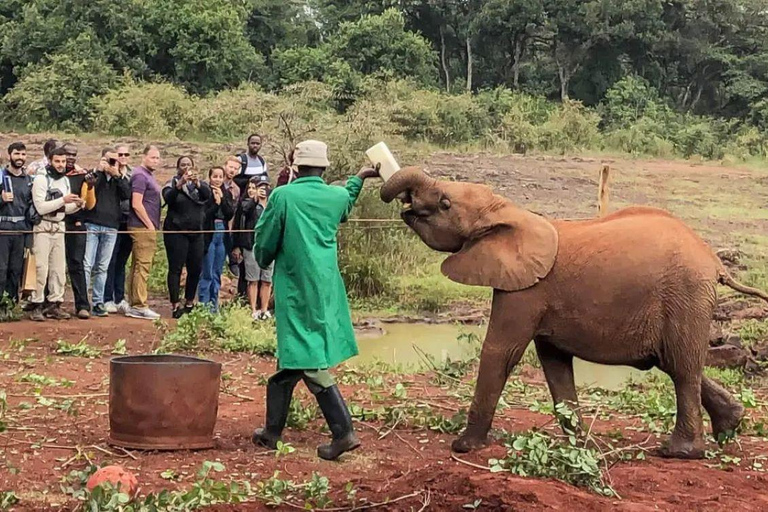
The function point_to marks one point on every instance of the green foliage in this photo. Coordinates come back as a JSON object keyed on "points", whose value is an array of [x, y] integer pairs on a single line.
{"points": [[79, 349], [8, 499], [205, 491], [202, 45], [232, 112], [142, 109], [300, 415], [541, 455], [381, 45], [753, 331], [652, 400], [43, 380], [230, 330], [414, 415], [57, 91]]}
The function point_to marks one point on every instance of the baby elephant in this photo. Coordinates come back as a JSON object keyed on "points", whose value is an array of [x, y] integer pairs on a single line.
{"points": [[637, 288]]}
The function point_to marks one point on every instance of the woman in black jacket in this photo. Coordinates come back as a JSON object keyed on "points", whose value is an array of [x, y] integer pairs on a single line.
{"points": [[218, 211], [186, 197]]}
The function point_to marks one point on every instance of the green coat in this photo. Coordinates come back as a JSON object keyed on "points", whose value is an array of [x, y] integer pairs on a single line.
{"points": [[298, 232]]}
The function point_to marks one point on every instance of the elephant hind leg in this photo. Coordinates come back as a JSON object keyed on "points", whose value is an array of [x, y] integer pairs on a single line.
{"points": [[723, 409], [558, 370]]}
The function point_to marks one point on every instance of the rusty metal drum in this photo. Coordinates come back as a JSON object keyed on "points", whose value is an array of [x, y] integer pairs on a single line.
{"points": [[163, 402]]}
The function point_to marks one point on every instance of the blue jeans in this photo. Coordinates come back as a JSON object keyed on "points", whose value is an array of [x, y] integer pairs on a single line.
{"points": [[210, 281], [114, 291], [99, 245]]}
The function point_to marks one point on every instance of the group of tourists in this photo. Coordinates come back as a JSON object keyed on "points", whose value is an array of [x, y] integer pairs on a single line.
{"points": [[87, 224], [64, 220]]}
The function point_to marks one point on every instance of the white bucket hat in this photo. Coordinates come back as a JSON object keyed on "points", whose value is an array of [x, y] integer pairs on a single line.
{"points": [[311, 153]]}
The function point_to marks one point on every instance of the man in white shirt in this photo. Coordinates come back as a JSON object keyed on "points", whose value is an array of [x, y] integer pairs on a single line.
{"points": [[251, 164], [53, 200]]}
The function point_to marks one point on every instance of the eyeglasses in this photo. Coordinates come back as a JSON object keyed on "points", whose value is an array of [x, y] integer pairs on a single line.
{"points": [[123, 154]]}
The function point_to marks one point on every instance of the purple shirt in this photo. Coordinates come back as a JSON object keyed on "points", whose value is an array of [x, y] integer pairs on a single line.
{"points": [[142, 182]]}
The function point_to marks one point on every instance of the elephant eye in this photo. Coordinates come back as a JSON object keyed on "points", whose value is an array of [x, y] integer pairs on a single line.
{"points": [[445, 203]]}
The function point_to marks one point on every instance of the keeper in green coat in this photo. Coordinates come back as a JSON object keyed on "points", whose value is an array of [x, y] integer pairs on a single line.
{"points": [[314, 326]]}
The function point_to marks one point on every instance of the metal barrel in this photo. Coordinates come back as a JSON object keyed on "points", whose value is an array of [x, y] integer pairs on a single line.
{"points": [[163, 402]]}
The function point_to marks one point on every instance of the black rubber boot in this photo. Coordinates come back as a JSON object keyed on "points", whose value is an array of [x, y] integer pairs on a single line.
{"points": [[279, 395], [340, 423]]}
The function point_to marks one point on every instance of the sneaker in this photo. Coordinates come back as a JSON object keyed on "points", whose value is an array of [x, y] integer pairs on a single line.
{"points": [[55, 312], [142, 313], [101, 310], [110, 307], [123, 307], [83, 314], [266, 315], [256, 315]]}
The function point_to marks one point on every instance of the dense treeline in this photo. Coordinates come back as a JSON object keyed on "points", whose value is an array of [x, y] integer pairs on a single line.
{"points": [[645, 68]]}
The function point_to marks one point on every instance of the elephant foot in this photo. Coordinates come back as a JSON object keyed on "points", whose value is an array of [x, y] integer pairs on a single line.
{"points": [[678, 448], [725, 422], [466, 444]]}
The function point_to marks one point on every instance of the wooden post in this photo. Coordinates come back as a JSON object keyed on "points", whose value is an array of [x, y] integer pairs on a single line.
{"points": [[602, 191]]}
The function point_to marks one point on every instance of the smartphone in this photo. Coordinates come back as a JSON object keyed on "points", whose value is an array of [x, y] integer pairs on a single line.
{"points": [[7, 185]]}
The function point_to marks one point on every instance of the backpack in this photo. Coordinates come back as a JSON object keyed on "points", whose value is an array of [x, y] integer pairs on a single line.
{"points": [[244, 163]]}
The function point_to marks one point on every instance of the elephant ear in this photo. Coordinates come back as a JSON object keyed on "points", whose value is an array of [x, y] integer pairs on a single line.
{"points": [[512, 250]]}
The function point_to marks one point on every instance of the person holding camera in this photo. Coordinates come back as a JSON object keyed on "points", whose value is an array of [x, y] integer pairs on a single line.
{"points": [[53, 200], [186, 196], [111, 186], [15, 198]]}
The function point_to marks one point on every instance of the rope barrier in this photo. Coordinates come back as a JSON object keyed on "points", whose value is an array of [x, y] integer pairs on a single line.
{"points": [[395, 223]]}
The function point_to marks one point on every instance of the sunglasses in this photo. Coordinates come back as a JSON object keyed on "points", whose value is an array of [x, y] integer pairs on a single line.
{"points": [[123, 154]]}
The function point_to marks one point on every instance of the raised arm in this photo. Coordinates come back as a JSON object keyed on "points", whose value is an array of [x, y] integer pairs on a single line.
{"points": [[354, 186]]}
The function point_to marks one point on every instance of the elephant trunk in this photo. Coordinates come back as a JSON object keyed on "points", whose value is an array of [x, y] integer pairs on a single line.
{"points": [[402, 181]]}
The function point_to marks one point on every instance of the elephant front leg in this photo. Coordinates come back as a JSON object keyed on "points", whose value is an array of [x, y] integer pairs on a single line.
{"points": [[499, 356]]}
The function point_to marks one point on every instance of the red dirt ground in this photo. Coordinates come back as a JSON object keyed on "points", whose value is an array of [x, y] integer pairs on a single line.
{"points": [[402, 463]]}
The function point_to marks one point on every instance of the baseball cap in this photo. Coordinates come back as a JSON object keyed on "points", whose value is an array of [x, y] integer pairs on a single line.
{"points": [[311, 153], [260, 180]]}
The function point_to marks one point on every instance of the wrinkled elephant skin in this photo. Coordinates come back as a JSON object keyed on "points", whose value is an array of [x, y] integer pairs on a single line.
{"points": [[636, 287]]}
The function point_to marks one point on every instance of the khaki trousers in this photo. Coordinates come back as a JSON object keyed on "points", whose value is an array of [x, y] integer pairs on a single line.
{"points": [[50, 259], [144, 243]]}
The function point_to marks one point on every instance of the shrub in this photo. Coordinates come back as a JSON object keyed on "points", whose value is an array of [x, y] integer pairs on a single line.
{"points": [[571, 127], [143, 109], [231, 330], [57, 92], [232, 113]]}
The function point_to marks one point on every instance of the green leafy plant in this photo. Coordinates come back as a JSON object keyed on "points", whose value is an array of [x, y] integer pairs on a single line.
{"points": [[230, 330], [79, 349]]}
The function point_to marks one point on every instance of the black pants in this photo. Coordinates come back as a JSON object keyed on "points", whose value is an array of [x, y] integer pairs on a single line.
{"points": [[74, 246], [11, 265], [183, 250], [114, 291]]}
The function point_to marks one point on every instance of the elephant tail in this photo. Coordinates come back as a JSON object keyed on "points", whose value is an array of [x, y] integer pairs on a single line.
{"points": [[726, 279]]}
